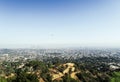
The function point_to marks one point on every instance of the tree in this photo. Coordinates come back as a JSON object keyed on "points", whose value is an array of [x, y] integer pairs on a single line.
{"points": [[3, 79], [21, 76]]}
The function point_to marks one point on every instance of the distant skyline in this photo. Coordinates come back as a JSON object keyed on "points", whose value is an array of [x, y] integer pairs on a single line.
{"points": [[59, 23]]}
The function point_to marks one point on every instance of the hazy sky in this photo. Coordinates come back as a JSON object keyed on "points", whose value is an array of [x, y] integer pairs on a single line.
{"points": [[53, 23]]}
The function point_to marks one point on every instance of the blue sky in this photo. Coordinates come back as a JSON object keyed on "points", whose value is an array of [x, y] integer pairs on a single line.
{"points": [[59, 23]]}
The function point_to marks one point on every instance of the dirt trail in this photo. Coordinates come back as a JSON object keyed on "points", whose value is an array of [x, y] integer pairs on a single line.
{"points": [[70, 68], [41, 80], [55, 76]]}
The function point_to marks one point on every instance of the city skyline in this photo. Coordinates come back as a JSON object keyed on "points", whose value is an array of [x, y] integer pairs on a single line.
{"points": [[59, 23]]}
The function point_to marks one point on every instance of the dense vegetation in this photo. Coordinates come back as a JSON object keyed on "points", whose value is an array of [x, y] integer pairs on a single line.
{"points": [[38, 71], [115, 77]]}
